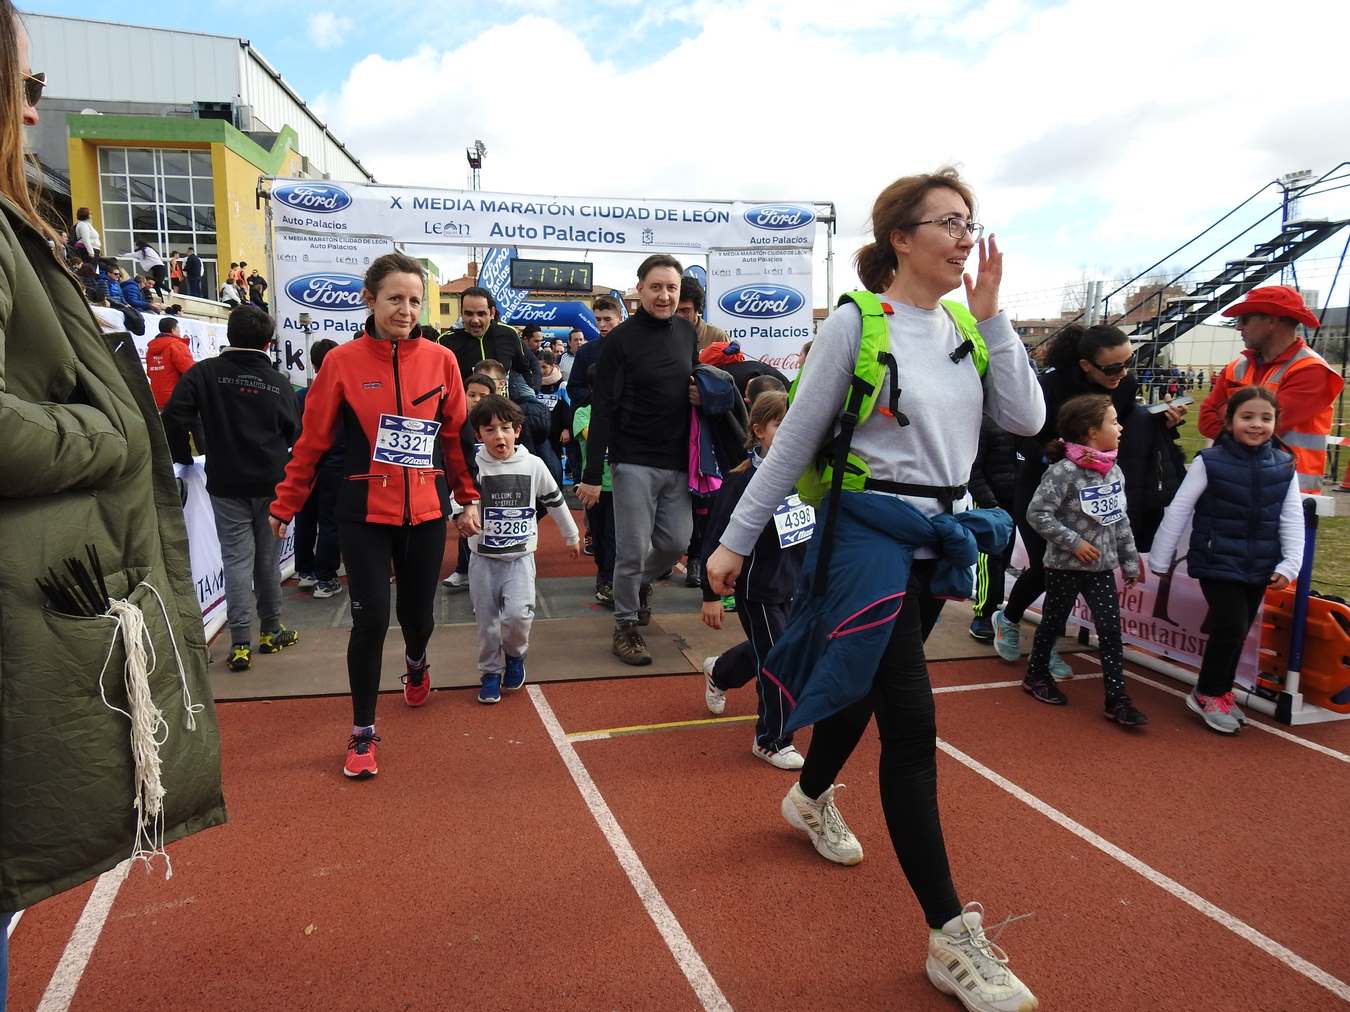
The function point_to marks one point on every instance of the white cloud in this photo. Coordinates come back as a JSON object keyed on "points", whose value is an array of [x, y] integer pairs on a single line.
{"points": [[327, 30], [1096, 137]]}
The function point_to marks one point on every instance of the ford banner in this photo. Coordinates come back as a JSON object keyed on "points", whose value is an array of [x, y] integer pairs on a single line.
{"points": [[762, 298]]}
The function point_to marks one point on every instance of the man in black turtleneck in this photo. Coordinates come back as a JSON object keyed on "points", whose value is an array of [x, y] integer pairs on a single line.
{"points": [[640, 417]]}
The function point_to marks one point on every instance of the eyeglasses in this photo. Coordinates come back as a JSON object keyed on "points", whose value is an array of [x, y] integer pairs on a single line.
{"points": [[955, 225], [32, 87], [1115, 368]]}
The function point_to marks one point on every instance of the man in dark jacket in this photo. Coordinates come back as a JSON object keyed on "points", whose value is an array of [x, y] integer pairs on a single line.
{"points": [[608, 314], [993, 483], [195, 272], [249, 413], [640, 418], [483, 336]]}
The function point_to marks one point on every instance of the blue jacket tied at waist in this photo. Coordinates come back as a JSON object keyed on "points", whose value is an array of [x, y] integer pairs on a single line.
{"points": [[828, 656]]}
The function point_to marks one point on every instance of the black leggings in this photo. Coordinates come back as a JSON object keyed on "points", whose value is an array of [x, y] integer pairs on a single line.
{"points": [[416, 553], [1099, 591], [1031, 583], [1232, 609], [902, 700]]}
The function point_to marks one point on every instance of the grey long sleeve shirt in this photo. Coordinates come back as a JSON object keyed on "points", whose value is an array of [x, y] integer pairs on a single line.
{"points": [[944, 401]]}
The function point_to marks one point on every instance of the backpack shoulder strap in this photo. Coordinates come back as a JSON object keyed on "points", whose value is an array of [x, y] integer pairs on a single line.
{"points": [[969, 329]]}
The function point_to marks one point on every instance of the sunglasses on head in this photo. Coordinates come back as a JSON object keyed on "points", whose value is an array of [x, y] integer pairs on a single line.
{"points": [[1115, 368], [32, 87]]}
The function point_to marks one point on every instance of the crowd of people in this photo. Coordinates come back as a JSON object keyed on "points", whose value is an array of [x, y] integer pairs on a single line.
{"points": [[884, 481]]}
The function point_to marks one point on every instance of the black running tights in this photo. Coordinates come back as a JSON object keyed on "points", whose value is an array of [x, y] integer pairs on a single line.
{"points": [[416, 554], [902, 700]]}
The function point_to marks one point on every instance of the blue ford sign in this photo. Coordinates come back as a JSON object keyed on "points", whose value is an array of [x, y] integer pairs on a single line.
{"points": [[336, 293], [762, 302], [779, 217], [317, 198]]}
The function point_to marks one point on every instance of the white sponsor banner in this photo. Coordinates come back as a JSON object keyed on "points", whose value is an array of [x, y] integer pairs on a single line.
{"points": [[1165, 615], [762, 298], [319, 274], [208, 572], [609, 224], [205, 339]]}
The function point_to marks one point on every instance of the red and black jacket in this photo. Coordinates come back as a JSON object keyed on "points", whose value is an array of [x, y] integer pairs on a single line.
{"points": [[360, 381]]}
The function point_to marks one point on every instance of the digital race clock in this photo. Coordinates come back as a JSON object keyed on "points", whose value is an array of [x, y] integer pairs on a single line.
{"points": [[551, 275]]}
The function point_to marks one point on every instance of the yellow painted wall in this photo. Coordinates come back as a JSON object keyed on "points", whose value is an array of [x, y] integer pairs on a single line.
{"points": [[84, 181], [431, 303]]}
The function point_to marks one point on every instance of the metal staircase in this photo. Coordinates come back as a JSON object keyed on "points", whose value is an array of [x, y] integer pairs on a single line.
{"points": [[1237, 278]]}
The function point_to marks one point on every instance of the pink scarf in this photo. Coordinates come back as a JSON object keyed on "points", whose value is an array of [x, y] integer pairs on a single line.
{"points": [[1089, 457]]}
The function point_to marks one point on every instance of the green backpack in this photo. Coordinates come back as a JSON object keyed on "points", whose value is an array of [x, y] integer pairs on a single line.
{"points": [[836, 467]]}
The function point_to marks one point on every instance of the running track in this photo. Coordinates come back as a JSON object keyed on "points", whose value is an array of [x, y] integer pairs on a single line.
{"points": [[496, 864]]}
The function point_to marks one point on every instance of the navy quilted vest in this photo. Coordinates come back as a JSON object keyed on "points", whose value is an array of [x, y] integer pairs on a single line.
{"points": [[1236, 530]]}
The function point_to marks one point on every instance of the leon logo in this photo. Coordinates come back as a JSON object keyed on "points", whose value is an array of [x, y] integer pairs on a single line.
{"points": [[762, 302], [779, 217], [318, 198], [338, 293]]}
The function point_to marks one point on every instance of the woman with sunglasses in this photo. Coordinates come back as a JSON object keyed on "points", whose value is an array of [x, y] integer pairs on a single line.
{"points": [[1091, 360], [87, 477]]}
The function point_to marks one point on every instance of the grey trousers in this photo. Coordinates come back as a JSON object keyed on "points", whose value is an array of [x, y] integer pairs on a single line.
{"points": [[250, 552], [502, 594], [653, 518]]}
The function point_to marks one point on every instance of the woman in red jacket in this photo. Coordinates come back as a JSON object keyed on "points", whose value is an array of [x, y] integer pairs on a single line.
{"points": [[399, 403]]}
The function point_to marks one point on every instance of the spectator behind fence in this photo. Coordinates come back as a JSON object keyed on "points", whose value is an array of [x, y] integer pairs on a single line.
{"points": [[167, 358], [85, 467]]}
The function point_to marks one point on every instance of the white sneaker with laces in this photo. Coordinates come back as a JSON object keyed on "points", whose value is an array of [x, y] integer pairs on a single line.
{"points": [[456, 581], [821, 821], [785, 758], [715, 698], [306, 581], [963, 962]]}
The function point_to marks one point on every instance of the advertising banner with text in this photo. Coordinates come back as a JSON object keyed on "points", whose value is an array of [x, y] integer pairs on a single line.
{"points": [[762, 298], [609, 224], [1165, 615], [318, 273]]}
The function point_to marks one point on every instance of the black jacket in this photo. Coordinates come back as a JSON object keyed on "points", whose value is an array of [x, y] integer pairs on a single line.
{"points": [[500, 343], [578, 385], [993, 476], [192, 267], [640, 405], [770, 573], [248, 410], [743, 372]]}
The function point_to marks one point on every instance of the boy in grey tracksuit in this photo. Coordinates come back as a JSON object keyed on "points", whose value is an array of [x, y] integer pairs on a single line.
{"points": [[1080, 512], [511, 480]]}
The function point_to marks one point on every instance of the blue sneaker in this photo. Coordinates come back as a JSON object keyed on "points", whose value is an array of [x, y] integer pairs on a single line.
{"points": [[1059, 667], [514, 677], [982, 629], [491, 689], [1007, 638]]}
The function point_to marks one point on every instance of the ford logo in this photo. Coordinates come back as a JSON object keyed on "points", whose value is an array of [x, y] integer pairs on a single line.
{"points": [[319, 198], [336, 293], [779, 217], [413, 425], [762, 302]]}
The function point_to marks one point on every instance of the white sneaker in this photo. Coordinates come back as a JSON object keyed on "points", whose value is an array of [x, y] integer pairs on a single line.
{"points": [[964, 963], [785, 758], [1215, 711], [306, 581], [456, 581], [821, 821], [715, 698]]}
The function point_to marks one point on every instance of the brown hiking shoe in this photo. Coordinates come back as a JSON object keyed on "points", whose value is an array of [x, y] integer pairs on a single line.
{"points": [[644, 604], [629, 646]]}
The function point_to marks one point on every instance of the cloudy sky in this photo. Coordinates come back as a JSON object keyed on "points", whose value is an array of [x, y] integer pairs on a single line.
{"points": [[1098, 136]]}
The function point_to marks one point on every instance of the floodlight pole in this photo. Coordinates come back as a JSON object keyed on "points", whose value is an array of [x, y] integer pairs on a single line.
{"points": [[475, 158]]}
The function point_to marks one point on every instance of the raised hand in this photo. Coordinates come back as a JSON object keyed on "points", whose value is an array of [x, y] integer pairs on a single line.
{"points": [[982, 291]]}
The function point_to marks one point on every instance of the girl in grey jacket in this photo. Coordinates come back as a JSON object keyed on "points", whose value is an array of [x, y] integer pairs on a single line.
{"points": [[1079, 508]]}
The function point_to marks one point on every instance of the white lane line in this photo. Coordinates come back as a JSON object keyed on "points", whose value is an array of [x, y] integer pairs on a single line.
{"points": [[1217, 914], [1077, 676], [66, 977], [13, 923], [1251, 721], [686, 957]]}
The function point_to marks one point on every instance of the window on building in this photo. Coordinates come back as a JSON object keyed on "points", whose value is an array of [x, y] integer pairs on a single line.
{"points": [[164, 196]]}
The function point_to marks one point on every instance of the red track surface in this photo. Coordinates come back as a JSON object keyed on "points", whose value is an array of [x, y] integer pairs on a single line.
{"points": [[470, 873]]}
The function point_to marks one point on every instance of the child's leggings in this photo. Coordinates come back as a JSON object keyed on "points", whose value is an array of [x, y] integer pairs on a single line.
{"points": [[1062, 587], [1232, 609]]}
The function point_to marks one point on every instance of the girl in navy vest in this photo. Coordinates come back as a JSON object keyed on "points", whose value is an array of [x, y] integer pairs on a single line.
{"points": [[764, 591], [1242, 501]]}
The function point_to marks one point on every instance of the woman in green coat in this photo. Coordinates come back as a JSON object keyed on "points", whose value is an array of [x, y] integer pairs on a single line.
{"points": [[83, 461]]}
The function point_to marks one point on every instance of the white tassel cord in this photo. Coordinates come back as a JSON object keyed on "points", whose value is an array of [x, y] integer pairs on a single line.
{"points": [[149, 729]]}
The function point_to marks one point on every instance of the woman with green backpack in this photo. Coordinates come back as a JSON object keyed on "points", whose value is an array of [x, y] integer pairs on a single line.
{"points": [[892, 401]]}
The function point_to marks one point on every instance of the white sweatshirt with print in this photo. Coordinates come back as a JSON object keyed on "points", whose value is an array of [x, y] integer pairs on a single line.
{"points": [[508, 491]]}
